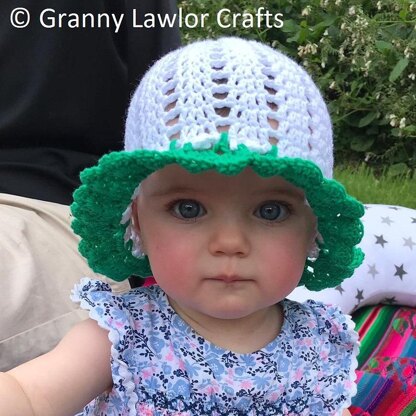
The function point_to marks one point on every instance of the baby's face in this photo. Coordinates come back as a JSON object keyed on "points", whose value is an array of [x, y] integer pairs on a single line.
{"points": [[224, 246]]}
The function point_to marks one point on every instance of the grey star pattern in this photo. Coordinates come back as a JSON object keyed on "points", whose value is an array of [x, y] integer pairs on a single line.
{"points": [[372, 270], [359, 296], [390, 301], [386, 220], [409, 243], [340, 289], [380, 240], [400, 271], [386, 274]]}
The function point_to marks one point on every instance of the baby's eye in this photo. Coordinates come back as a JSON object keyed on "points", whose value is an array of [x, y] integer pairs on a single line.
{"points": [[272, 211], [187, 209]]}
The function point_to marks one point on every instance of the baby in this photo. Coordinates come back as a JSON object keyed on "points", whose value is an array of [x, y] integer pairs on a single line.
{"points": [[223, 195]]}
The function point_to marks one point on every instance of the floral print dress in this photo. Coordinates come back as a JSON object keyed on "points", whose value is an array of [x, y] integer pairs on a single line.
{"points": [[162, 367]]}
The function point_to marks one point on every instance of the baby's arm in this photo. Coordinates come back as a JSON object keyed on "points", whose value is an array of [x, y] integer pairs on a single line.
{"points": [[62, 381]]}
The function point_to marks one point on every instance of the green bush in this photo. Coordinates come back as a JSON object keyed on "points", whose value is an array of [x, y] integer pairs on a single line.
{"points": [[362, 56]]}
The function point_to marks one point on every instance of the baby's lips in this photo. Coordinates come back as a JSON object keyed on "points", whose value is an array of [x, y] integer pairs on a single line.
{"points": [[229, 278]]}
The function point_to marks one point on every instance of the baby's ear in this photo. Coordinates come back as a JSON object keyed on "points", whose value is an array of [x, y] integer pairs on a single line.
{"points": [[135, 216], [314, 233], [135, 231]]}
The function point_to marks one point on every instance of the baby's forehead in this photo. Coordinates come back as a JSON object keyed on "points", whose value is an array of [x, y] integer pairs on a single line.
{"points": [[176, 179]]}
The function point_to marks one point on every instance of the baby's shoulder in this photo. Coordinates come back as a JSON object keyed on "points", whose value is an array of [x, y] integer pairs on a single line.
{"points": [[316, 317], [323, 345], [321, 327], [121, 312], [97, 291]]}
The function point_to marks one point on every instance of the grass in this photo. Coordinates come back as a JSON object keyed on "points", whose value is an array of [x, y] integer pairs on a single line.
{"points": [[363, 184]]}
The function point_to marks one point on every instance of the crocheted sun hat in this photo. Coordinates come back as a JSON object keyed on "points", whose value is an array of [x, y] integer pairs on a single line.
{"points": [[223, 104]]}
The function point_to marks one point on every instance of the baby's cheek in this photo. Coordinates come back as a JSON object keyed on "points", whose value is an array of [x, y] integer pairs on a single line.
{"points": [[286, 259], [171, 259]]}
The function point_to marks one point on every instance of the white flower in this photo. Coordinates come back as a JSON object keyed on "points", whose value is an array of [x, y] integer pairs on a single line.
{"points": [[393, 120], [301, 50], [310, 48], [412, 76], [402, 124], [379, 5], [360, 21], [306, 11], [323, 64], [407, 52], [333, 85], [351, 11]]}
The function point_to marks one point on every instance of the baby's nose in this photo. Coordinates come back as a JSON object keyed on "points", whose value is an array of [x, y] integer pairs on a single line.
{"points": [[229, 238]]}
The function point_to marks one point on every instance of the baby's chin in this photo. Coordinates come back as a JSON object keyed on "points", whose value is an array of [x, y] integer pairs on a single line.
{"points": [[236, 311]]}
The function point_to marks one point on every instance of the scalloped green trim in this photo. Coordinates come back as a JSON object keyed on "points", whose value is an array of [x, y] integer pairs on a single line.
{"points": [[107, 189]]}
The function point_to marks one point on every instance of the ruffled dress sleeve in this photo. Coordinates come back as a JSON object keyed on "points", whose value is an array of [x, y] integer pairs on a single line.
{"points": [[111, 313], [338, 349]]}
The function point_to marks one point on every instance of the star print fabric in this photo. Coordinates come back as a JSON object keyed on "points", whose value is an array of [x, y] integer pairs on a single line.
{"points": [[161, 367], [388, 273]]}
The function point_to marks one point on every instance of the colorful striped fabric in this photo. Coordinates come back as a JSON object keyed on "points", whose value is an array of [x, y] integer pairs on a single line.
{"points": [[386, 373]]}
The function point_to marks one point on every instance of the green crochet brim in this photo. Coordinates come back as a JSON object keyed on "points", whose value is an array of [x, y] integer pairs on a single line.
{"points": [[107, 189]]}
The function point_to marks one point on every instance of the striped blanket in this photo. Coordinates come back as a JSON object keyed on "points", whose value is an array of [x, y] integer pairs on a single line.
{"points": [[386, 373]]}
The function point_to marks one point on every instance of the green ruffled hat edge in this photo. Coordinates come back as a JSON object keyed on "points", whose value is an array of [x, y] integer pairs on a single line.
{"points": [[106, 190]]}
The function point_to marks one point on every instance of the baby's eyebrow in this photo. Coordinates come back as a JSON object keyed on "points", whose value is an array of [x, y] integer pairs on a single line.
{"points": [[172, 190], [294, 193]]}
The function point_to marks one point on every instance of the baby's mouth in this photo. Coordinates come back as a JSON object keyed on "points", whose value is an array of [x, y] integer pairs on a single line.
{"points": [[229, 278]]}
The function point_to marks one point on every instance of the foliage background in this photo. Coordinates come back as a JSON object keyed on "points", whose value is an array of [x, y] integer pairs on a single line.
{"points": [[362, 56]]}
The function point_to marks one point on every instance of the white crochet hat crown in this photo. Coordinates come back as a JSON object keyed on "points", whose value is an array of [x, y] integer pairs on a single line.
{"points": [[259, 94], [222, 105]]}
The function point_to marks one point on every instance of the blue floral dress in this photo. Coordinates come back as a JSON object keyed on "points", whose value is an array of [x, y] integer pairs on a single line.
{"points": [[162, 367]]}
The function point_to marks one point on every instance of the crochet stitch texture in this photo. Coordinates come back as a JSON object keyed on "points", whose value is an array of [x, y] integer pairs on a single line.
{"points": [[259, 94]]}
